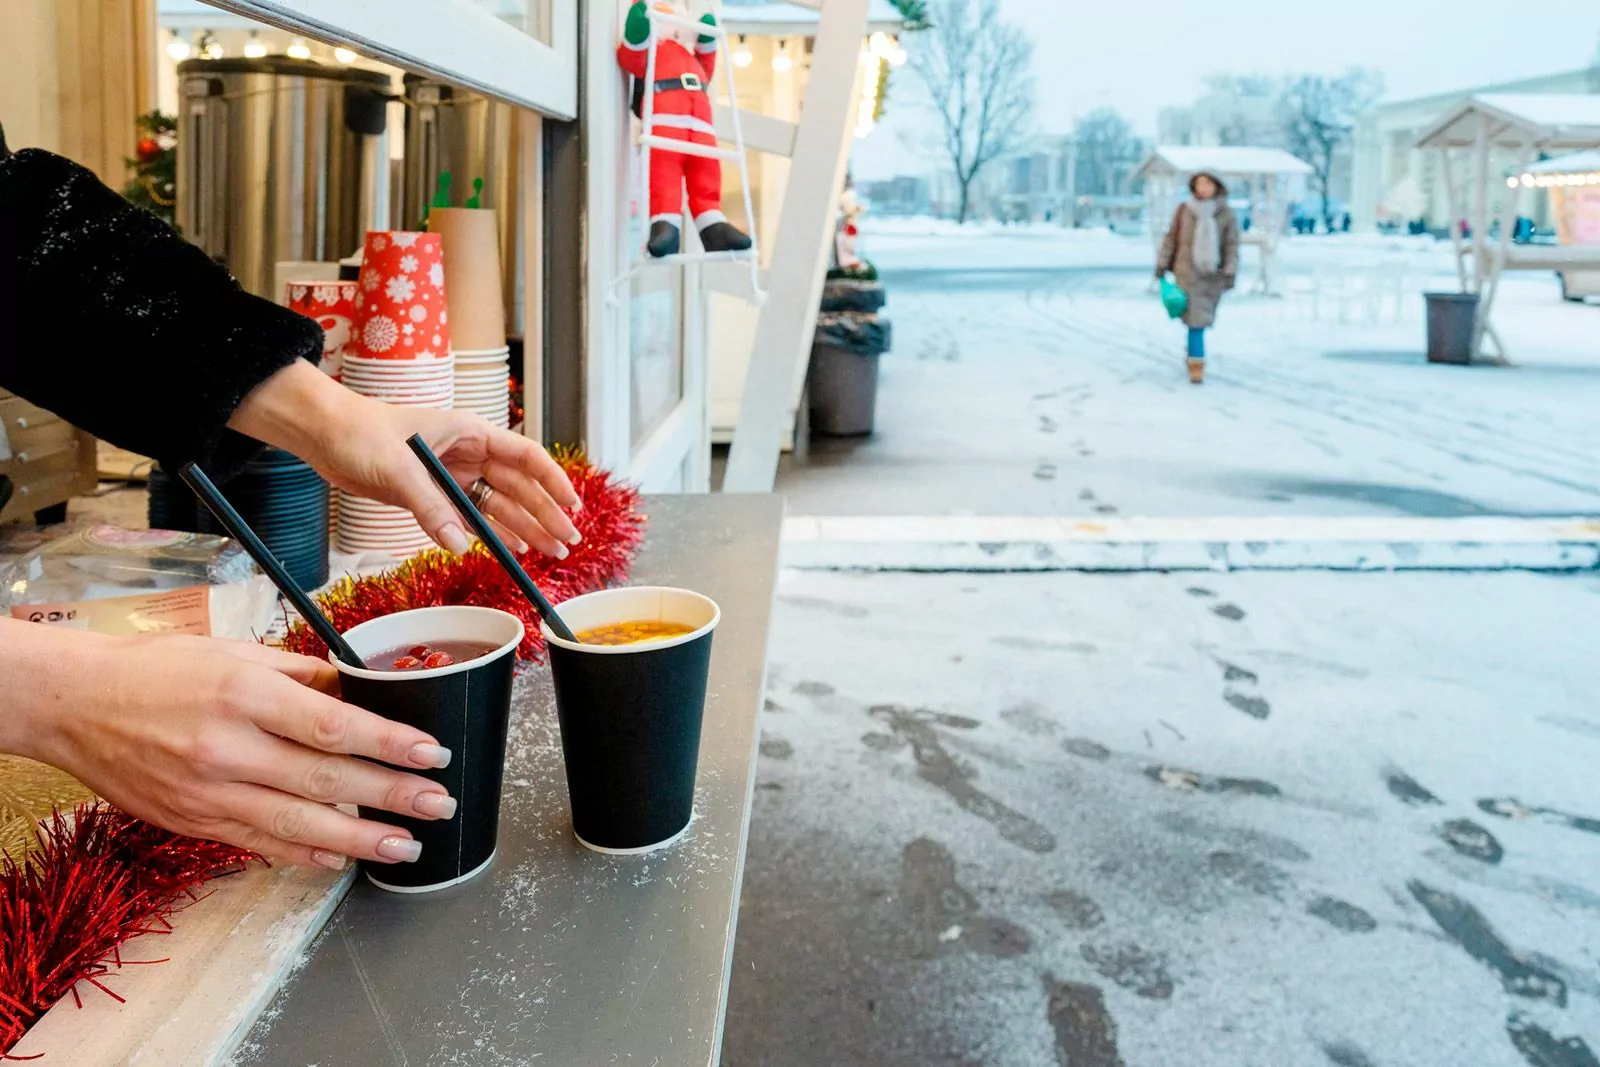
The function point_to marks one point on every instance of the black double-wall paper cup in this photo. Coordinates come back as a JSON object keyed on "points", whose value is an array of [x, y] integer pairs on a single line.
{"points": [[467, 708], [630, 717]]}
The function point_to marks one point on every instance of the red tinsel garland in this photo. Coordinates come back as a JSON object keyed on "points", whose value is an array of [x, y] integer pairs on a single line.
{"points": [[610, 522], [101, 877], [98, 879]]}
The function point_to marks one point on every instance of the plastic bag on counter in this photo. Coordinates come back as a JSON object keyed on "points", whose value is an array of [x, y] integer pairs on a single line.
{"points": [[114, 581]]}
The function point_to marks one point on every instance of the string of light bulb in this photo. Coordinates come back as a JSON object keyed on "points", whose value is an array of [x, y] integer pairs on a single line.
{"points": [[1551, 181], [206, 46]]}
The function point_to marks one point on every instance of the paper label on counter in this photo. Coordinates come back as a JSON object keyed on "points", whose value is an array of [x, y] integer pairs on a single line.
{"points": [[172, 611]]}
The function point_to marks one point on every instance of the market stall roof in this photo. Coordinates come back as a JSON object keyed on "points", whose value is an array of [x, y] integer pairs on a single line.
{"points": [[1576, 163], [765, 19], [1222, 160], [1515, 120]]}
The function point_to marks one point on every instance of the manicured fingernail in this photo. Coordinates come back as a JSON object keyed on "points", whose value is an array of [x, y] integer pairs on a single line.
{"points": [[575, 538], [424, 754], [400, 849], [435, 805], [331, 860], [561, 552], [577, 505], [455, 539]]}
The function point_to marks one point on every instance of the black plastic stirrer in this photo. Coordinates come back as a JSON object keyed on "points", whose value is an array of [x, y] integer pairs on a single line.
{"points": [[491, 540], [241, 532]]}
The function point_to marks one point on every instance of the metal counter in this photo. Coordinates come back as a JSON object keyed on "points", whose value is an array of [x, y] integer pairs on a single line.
{"points": [[558, 956]]}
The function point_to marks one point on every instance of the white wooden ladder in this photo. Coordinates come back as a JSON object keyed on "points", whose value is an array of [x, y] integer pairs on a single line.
{"points": [[819, 146]]}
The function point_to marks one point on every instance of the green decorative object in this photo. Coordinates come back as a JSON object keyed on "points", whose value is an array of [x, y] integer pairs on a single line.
{"points": [[155, 166], [441, 198], [1173, 298], [475, 200]]}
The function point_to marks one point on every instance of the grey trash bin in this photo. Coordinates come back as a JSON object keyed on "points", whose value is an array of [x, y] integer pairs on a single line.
{"points": [[842, 381], [1452, 318]]}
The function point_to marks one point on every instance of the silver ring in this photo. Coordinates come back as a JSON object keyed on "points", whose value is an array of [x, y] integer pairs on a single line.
{"points": [[480, 493]]}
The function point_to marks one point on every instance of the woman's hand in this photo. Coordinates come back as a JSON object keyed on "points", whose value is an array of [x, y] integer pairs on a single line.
{"points": [[359, 445], [224, 740]]}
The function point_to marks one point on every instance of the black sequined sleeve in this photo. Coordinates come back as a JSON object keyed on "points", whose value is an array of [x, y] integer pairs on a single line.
{"points": [[114, 322]]}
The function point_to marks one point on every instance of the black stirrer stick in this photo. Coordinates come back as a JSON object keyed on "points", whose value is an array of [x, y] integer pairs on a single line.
{"points": [[241, 532], [491, 540]]}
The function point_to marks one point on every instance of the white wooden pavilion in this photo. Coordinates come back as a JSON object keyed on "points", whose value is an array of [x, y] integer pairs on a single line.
{"points": [[1265, 172], [1485, 131]]}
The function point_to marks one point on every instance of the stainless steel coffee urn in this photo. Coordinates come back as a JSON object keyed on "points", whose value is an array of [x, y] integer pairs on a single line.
{"points": [[280, 159], [451, 130]]}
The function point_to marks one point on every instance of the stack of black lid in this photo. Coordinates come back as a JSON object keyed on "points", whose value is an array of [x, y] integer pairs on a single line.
{"points": [[280, 496]]}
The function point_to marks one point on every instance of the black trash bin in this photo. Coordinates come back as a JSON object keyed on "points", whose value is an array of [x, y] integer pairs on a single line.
{"points": [[1452, 320], [842, 381]]}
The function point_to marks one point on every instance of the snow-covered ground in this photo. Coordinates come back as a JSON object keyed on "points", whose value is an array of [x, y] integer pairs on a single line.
{"points": [[1139, 820], [1034, 373]]}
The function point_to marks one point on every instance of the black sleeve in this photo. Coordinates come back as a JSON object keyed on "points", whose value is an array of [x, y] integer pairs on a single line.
{"points": [[118, 325]]}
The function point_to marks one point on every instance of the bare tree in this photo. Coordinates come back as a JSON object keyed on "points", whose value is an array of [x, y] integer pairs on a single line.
{"points": [[1319, 116], [976, 68], [1242, 108], [1108, 151]]}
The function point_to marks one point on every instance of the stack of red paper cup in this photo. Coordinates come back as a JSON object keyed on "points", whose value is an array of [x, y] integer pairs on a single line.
{"points": [[332, 304], [399, 353]]}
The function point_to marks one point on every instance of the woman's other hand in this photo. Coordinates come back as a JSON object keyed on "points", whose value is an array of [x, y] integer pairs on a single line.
{"points": [[224, 740], [359, 445]]}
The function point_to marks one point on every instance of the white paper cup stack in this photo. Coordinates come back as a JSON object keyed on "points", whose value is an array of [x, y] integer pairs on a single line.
{"points": [[405, 382], [482, 384], [367, 526]]}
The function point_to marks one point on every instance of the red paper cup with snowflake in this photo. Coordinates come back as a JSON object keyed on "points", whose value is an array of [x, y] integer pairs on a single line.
{"points": [[399, 302], [333, 305]]}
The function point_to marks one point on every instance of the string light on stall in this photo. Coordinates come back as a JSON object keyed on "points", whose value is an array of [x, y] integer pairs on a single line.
{"points": [[210, 47], [254, 48], [782, 62], [345, 55], [875, 64], [298, 49], [742, 56], [178, 48], [1554, 181]]}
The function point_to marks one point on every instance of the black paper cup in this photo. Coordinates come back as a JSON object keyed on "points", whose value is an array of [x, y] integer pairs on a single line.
{"points": [[630, 717], [467, 707]]}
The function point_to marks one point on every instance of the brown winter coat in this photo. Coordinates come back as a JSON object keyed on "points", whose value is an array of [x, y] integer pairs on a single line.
{"points": [[1177, 255]]}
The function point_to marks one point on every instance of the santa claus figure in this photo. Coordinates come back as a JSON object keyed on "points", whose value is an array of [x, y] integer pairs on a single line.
{"points": [[680, 111]]}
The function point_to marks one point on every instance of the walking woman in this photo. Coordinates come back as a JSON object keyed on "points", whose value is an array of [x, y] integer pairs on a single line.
{"points": [[1202, 248]]}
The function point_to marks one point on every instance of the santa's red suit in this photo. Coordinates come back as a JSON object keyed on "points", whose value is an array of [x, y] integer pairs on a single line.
{"points": [[681, 111]]}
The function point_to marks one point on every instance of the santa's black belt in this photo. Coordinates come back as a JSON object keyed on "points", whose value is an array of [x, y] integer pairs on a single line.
{"points": [[688, 81]]}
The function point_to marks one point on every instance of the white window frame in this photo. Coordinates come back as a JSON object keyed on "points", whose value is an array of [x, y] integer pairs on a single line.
{"points": [[446, 39]]}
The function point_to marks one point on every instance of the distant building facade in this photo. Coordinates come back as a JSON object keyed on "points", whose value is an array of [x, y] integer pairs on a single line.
{"points": [[1395, 183], [905, 194]]}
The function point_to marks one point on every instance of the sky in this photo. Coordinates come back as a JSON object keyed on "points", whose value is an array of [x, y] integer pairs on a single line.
{"points": [[1142, 55]]}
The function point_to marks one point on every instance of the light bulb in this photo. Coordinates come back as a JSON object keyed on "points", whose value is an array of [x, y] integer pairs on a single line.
{"points": [[1511, 183], [879, 43], [742, 57], [345, 55], [178, 49], [209, 46], [298, 49], [781, 60], [253, 48], [897, 56]]}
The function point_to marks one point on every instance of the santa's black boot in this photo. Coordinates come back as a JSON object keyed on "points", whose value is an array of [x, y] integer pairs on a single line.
{"points": [[723, 237], [663, 239]]}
